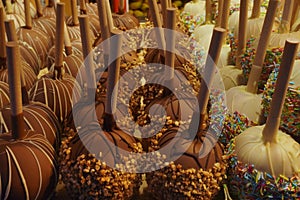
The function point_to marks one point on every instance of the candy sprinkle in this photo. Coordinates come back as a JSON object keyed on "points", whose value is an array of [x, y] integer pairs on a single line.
{"points": [[290, 118], [246, 182]]}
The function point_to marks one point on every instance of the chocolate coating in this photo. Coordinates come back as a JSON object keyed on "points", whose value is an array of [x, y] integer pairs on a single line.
{"points": [[160, 95], [82, 112], [192, 175], [18, 19], [74, 32], [93, 22], [93, 136], [28, 167], [37, 39], [76, 51], [94, 25], [29, 75], [18, 8], [38, 117], [49, 10], [192, 158], [173, 107], [57, 94], [125, 21], [154, 56], [4, 94], [88, 175], [47, 25], [280, 157], [73, 65], [30, 56]]}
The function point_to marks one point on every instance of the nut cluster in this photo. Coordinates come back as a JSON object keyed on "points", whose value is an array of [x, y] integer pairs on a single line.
{"points": [[88, 177], [173, 182]]}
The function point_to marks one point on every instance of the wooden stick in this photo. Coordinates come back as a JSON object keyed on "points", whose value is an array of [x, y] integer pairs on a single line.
{"points": [[50, 3], [113, 4], [209, 71], [14, 63], [109, 16], [262, 47], [12, 37], [285, 23], [295, 12], [87, 54], [170, 40], [113, 76], [272, 126], [242, 39], [28, 20], [208, 10], [153, 8], [82, 7], [39, 8], [210, 67], [85, 35], [68, 7], [105, 34], [10, 30], [256, 9], [4, 13], [170, 4], [121, 9], [220, 10], [74, 12], [2, 36], [9, 9], [59, 41], [67, 40], [164, 6], [114, 69], [280, 9], [225, 14], [54, 4], [103, 19]]}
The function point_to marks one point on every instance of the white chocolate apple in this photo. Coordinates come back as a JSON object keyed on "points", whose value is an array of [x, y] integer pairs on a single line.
{"points": [[280, 157]]}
